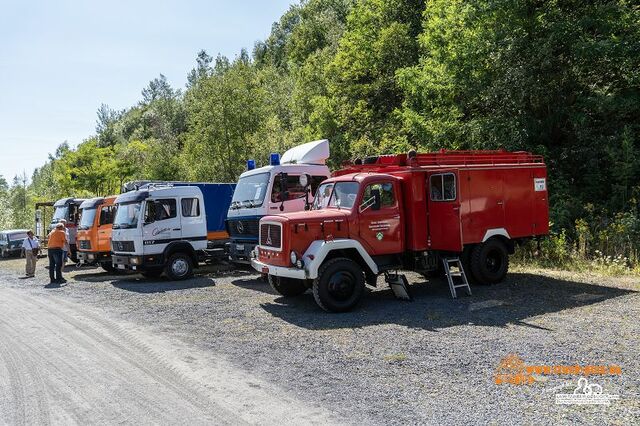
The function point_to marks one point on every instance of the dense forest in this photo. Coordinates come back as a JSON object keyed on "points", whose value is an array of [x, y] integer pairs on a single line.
{"points": [[558, 78]]}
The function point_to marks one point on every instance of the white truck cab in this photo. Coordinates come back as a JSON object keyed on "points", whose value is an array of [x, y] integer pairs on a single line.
{"points": [[160, 229], [272, 189]]}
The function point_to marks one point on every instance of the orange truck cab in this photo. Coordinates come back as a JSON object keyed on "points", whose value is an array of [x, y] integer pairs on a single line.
{"points": [[94, 232]]}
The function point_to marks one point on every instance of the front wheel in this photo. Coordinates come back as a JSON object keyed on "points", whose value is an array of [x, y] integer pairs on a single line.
{"points": [[287, 286], [489, 262], [179, 267], [339, 286]]}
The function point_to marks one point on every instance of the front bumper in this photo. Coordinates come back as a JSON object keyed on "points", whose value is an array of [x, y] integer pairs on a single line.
{"points": [[278, 271], [13, 251], [90, 257], [136, 262], [240, 251]]}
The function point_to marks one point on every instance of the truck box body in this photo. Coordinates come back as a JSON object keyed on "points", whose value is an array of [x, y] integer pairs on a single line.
{"points": [[216, 197], [496, 192]]}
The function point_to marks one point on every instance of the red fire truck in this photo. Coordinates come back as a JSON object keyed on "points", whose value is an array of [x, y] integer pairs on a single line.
{"points": [[406, 212]]}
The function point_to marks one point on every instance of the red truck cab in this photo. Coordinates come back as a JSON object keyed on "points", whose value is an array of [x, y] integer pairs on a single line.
{"points": [[406, 212]]}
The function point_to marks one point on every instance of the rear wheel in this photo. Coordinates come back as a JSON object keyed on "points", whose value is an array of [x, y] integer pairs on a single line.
{"points": [[339, 286], [287, 286], [179, 267], [490, 261]]}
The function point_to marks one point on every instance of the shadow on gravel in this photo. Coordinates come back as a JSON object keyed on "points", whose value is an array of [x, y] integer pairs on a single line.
{"points": [[159, 286], [254, 283], [520, 297]]}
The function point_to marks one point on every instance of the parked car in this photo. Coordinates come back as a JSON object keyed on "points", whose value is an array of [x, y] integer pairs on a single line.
{"points": [[11, 242]]}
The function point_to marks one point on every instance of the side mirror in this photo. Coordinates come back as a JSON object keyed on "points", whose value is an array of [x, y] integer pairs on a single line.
{"points": [[376, 199], [283, 182], [305, 180]]}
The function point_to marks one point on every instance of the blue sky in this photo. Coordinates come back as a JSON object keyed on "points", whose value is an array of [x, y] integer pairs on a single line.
{"points": [[60, 60]]}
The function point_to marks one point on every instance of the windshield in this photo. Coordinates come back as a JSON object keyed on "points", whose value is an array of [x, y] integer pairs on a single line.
{"points": [[250, 191], [60, 213], [88, 215], [17, 236], [127, 215], [341, 195]]}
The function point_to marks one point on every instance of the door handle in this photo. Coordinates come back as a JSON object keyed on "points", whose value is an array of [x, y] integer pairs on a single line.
{"points": [[177, 229], [500, 203], [456, 208]]}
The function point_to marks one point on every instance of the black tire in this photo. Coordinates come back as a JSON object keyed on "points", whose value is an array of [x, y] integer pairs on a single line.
{"points": [[108, 267], [152, 273], [73, 255], [465, 258], [339, 286], [287, 286], [179, 267], [490, 262]]}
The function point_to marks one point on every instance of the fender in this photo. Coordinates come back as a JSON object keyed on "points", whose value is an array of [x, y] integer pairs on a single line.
{"points": [[496, 231], [180, 246], [318, 251]]}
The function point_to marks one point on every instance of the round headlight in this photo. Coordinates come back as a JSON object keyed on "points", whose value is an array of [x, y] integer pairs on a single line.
{"points": [[293, 257]]}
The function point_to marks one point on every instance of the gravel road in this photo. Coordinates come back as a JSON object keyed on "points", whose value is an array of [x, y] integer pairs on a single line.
{"points": [[224, 347]]}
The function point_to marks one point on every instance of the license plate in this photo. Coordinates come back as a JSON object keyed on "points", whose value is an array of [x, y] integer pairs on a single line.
{"points": [[120, 266], [240, 247]]}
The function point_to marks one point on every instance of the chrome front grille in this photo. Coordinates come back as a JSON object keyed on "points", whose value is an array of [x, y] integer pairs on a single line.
{"points": [[271, 235], [122, 246]]}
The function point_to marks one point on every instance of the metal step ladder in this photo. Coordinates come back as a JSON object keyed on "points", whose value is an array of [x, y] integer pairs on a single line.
{"points": [[448, 263]]}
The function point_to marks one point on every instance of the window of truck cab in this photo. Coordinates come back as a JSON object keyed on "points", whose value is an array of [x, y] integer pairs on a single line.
{"points": [[160, 209], [107, 214], [442, 187], [127, 215], [250, 191], [294, 188], [87, 216], [339, 195], [387, 195]]}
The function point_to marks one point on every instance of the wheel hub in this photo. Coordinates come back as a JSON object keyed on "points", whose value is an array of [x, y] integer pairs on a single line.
{"points": [[493, 262], [179, 267], [342, 285]]}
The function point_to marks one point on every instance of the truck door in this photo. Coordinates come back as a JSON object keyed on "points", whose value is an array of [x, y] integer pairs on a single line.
{"points": [[161, 224], [105, 222], [445, 229], [193, 221], [380, 224]]}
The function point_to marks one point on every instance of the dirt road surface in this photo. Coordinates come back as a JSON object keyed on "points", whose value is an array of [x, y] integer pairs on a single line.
{"points": [[63, 363], [224, 348]]}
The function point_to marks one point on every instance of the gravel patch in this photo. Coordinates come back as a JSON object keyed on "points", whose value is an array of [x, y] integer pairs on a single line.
{"points": [[432, 360]]}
